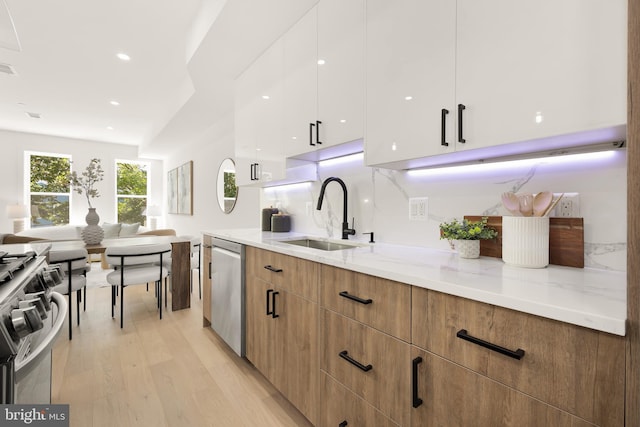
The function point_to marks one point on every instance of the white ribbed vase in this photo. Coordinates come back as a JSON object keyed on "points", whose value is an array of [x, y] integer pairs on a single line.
{"points": [[525, 241], [467, 248], [92, 234]]}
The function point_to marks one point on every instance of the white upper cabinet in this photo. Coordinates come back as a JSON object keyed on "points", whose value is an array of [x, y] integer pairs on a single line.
{"points": [[341, 79], [259, 100], [506, 72], [324, 78], [410, 71], [300, 85], [531, 70]]}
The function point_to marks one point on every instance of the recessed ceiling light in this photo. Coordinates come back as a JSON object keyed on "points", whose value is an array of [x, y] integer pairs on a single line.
{"points": [[116, 103], [109, 127], [265, 96], [123, 56], [408, 98], [321, 62]]}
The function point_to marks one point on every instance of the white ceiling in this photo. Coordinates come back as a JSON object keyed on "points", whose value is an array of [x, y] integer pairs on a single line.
{"points": [[178, 82]]}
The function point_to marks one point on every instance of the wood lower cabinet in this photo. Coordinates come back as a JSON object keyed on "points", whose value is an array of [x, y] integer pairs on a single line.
{"points": [[379, 303], [453, 396], [340, 406], [372, 364], [576, 369], [282, 327], [206, 279]]}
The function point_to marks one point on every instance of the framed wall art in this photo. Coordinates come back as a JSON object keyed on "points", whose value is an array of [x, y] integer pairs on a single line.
{"points": [[180, 189]]}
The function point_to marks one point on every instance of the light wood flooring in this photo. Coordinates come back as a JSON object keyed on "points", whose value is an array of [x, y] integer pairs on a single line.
{"points": [[170, 372]]}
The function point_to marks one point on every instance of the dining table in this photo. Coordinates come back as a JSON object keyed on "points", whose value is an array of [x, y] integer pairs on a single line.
{"points": [[180, 260]]}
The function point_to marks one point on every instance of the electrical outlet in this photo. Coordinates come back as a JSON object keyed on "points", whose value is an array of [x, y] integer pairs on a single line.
{"points": [[568, 206], [418, 208]]}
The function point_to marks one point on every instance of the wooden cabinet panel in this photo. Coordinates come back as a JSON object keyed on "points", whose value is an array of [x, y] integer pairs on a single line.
{"points": [[297, 360], [340, 405], [576, 369], [389, 311], [454, 396], [295, 275], [386, 385], [260, 330]]}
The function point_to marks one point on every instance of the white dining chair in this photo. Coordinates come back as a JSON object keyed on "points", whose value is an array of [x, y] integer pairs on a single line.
{"points": [[73, 263], [136, 265]]}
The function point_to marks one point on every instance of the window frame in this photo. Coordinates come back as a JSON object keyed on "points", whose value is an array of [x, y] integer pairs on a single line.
{"points": [[27, 183], [147, 165]]}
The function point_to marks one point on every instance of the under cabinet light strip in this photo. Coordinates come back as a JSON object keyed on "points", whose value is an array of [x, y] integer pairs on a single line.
{"points": [[342, 159], [285, 187], [514, 164]]}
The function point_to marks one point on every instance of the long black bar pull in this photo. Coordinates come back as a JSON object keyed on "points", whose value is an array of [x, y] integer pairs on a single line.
{"points": [[443, 131], [461, 108], [273, 305], [311, 126], [269, 311], [414, 384], [518, 354], [318, 123], [346, 294], [271, 268], [345, 355], [343, 424]]}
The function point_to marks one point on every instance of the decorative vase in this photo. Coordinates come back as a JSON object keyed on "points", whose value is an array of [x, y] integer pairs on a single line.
{"points": [[468, 248], [92, 234], [525, 241]]}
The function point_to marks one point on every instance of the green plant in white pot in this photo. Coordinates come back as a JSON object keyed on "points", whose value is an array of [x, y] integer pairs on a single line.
{"points": [[464, 236]]}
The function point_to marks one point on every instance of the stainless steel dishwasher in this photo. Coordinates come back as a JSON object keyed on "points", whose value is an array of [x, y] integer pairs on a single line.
{"points": [[228, 292]]}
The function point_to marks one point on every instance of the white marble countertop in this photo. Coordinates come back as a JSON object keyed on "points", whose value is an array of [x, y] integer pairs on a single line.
{"points": [[586, 297]]}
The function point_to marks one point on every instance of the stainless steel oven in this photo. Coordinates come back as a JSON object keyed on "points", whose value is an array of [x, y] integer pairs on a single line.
{"points": [[31, 317]]}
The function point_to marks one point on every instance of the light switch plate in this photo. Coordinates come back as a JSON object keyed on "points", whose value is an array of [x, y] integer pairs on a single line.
{"points": [[418, 208]]}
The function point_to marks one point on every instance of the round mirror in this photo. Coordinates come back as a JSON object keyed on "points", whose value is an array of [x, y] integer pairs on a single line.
{"points": [[226, 187]]}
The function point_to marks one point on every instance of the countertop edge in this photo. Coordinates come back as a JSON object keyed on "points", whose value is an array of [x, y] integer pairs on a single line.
{"points": [[601, 322]]}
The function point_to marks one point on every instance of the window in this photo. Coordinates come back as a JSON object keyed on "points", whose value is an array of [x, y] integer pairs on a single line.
{"points": [[49, 189], [131, 191]]}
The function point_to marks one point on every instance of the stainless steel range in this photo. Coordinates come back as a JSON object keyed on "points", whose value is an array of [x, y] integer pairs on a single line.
{"points": [[31, 317]]}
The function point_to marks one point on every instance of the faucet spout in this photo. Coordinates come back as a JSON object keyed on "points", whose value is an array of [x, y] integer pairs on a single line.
{"points": [[346, 231]]}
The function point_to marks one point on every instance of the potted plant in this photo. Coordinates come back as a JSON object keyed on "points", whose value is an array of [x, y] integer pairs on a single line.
{"points": [[465, 235], [84, 184]]}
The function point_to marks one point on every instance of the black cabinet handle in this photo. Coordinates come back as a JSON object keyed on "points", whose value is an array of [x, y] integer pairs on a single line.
{"points": [[443, 131], [273, 305], [414, 385], [518, 354], [461, 108], [254, 172], [271, 268], [269, 312], [345, 294], [209, 270], [311, 125], [345, 355], [318, 123], [343, 424]]}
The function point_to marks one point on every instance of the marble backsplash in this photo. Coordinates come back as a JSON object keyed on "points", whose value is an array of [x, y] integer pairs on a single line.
{"points": [[378, 200]]}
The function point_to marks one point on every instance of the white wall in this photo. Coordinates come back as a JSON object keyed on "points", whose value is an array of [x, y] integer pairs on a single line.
{"points": [[379, 201], [207, 153], [12, 173]]}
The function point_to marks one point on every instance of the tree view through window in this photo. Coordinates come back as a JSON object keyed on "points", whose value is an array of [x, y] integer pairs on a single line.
{"points": [[132, 192], [49, 189]]}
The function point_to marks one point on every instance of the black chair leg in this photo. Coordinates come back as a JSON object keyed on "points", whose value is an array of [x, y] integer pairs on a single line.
{"points": [[199, 283], [121, 306], [84, 301], [78, 298], [70, 316], [113, 299], [165, 292]]}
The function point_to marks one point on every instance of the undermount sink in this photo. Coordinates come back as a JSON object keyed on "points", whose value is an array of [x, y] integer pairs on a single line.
{"points": [[323, 245]]}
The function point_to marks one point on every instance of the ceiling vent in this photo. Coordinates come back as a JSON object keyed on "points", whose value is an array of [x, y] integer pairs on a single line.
{"points": [[7, 69], [32, 115]]}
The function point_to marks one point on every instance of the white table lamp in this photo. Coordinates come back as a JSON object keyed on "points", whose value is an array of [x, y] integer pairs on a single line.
{"points": [[152, 212], [17, 213]]}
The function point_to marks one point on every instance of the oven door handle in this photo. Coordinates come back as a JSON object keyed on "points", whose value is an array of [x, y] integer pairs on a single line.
{"points": [[49, 339]]}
